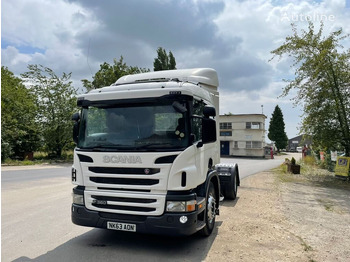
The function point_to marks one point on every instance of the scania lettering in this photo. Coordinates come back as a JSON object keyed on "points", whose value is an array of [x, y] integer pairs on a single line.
{"points": [[122, 159], [147, 155]]}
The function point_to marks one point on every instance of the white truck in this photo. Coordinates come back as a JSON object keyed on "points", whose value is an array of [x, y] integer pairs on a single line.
{"points": [[147, 154]]}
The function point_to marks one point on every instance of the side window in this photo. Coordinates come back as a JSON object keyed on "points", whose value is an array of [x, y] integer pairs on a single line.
{"points": [[198, 107]]}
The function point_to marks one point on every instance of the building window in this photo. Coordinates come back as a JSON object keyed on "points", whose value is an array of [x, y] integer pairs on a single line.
{"points": [[235, 144], [226, 125], [225, 133], [253, 144], [256, 144], [253, 125]]}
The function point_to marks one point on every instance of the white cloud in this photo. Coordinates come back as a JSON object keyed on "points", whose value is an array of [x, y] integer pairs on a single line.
{"points": [[234, 37], [44, 24], [12, 57]]}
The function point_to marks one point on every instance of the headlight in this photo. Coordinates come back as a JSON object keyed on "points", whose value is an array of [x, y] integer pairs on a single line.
{"points": [[78, 199], [181, 206]]}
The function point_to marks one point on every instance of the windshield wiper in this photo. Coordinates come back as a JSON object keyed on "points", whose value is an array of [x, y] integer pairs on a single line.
{"points": [[151, 145], [107, 147]]}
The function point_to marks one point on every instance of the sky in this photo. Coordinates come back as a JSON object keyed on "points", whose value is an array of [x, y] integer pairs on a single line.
{"points": [[234, 37]]}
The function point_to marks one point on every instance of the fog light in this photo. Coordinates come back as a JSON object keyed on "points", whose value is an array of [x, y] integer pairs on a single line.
{"points": [[78, 199], [183, 219]]}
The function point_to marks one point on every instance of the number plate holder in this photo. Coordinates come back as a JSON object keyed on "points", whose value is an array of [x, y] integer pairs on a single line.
{"points": [[121, 226]]}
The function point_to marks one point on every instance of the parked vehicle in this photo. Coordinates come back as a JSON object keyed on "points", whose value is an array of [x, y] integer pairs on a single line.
{"points": [[147, 154]]}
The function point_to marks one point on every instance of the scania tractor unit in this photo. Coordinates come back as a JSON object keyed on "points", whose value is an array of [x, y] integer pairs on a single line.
{"points": [[147, 154]]}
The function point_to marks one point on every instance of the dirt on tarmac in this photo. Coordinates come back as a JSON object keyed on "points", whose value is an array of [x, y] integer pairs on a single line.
{"points": [[285, 217]]}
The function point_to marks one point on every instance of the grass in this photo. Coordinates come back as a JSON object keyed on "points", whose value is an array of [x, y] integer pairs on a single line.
{"points": [[41, 158], [311, 173]]}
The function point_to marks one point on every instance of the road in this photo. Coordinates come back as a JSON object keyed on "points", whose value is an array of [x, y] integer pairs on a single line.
{"points": [[36, 224]]}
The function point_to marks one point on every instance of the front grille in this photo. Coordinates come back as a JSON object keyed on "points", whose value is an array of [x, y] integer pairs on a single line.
{"points": [[124, 189], [124, 171], [124, 199], [125, 203], [126, 208], [124, 181]]}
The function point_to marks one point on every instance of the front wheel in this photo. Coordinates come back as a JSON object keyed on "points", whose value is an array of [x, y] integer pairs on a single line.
{"points": [[210, 211]]}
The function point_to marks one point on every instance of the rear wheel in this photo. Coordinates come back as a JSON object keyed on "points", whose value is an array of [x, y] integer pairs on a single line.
{"points": [[210, 210], [231, 188]]}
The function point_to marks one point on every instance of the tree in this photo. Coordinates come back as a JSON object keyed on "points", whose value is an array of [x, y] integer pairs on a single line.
{"points": [[56, 102], [276, 129], [109, 74], [19, 132], [322, 78], [164, 61]]}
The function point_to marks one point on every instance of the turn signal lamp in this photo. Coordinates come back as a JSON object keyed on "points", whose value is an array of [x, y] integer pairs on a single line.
{"points": [[78, 199]]}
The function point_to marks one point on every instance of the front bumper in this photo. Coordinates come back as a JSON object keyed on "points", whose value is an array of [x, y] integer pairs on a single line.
{"points": [[166, 224]]}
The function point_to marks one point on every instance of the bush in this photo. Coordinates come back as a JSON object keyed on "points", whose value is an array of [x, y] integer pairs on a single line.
{"points": [[293, 162], [327, 163], [309, 160]]}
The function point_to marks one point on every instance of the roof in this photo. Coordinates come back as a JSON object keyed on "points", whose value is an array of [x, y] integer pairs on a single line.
{"points": [[233, 115], [206, 76]]}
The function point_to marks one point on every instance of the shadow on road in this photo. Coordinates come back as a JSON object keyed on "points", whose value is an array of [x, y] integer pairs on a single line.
{"points": [[106, 245]]}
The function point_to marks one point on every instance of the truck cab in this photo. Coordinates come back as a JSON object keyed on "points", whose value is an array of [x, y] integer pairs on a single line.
{"points": [[146, 154]]}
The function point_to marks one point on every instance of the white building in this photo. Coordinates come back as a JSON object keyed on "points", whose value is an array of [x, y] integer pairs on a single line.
{"points": [[242, 135]]}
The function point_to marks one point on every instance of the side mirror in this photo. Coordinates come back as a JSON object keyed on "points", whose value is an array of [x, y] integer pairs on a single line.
{"points": [[209, 111], [208, 130], [76, 118]]}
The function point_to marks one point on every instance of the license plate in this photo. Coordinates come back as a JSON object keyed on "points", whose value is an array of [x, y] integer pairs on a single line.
{"points": [[121, 226]]}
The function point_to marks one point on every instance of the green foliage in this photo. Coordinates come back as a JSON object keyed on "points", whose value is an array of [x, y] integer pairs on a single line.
{"points": [[56, 102], [276, 129], [19, 129], [41, 158], [164, 61], [330, 165], [322, 78], [309, 160], [109, 74], [293, 162]]}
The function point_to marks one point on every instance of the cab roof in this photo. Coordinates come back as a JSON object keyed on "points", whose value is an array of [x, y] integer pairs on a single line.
{"points": [[206, 76]]}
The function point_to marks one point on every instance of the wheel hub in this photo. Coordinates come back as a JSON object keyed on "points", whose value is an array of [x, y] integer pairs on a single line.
{"points": [[211, 208]]}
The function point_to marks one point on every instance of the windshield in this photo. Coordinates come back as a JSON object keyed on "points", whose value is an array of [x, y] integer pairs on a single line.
{"points": [[133, 127]]}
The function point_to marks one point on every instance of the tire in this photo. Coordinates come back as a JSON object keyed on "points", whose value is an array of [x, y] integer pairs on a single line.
{"points": [[210, 210], [231, 188]]}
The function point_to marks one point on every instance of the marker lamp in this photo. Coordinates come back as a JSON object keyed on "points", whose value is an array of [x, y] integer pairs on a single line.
{"points": [[181, 206], [78, 199]]}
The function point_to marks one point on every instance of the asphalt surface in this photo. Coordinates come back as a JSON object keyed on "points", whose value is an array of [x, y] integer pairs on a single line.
{"points": [[36, 223]]}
